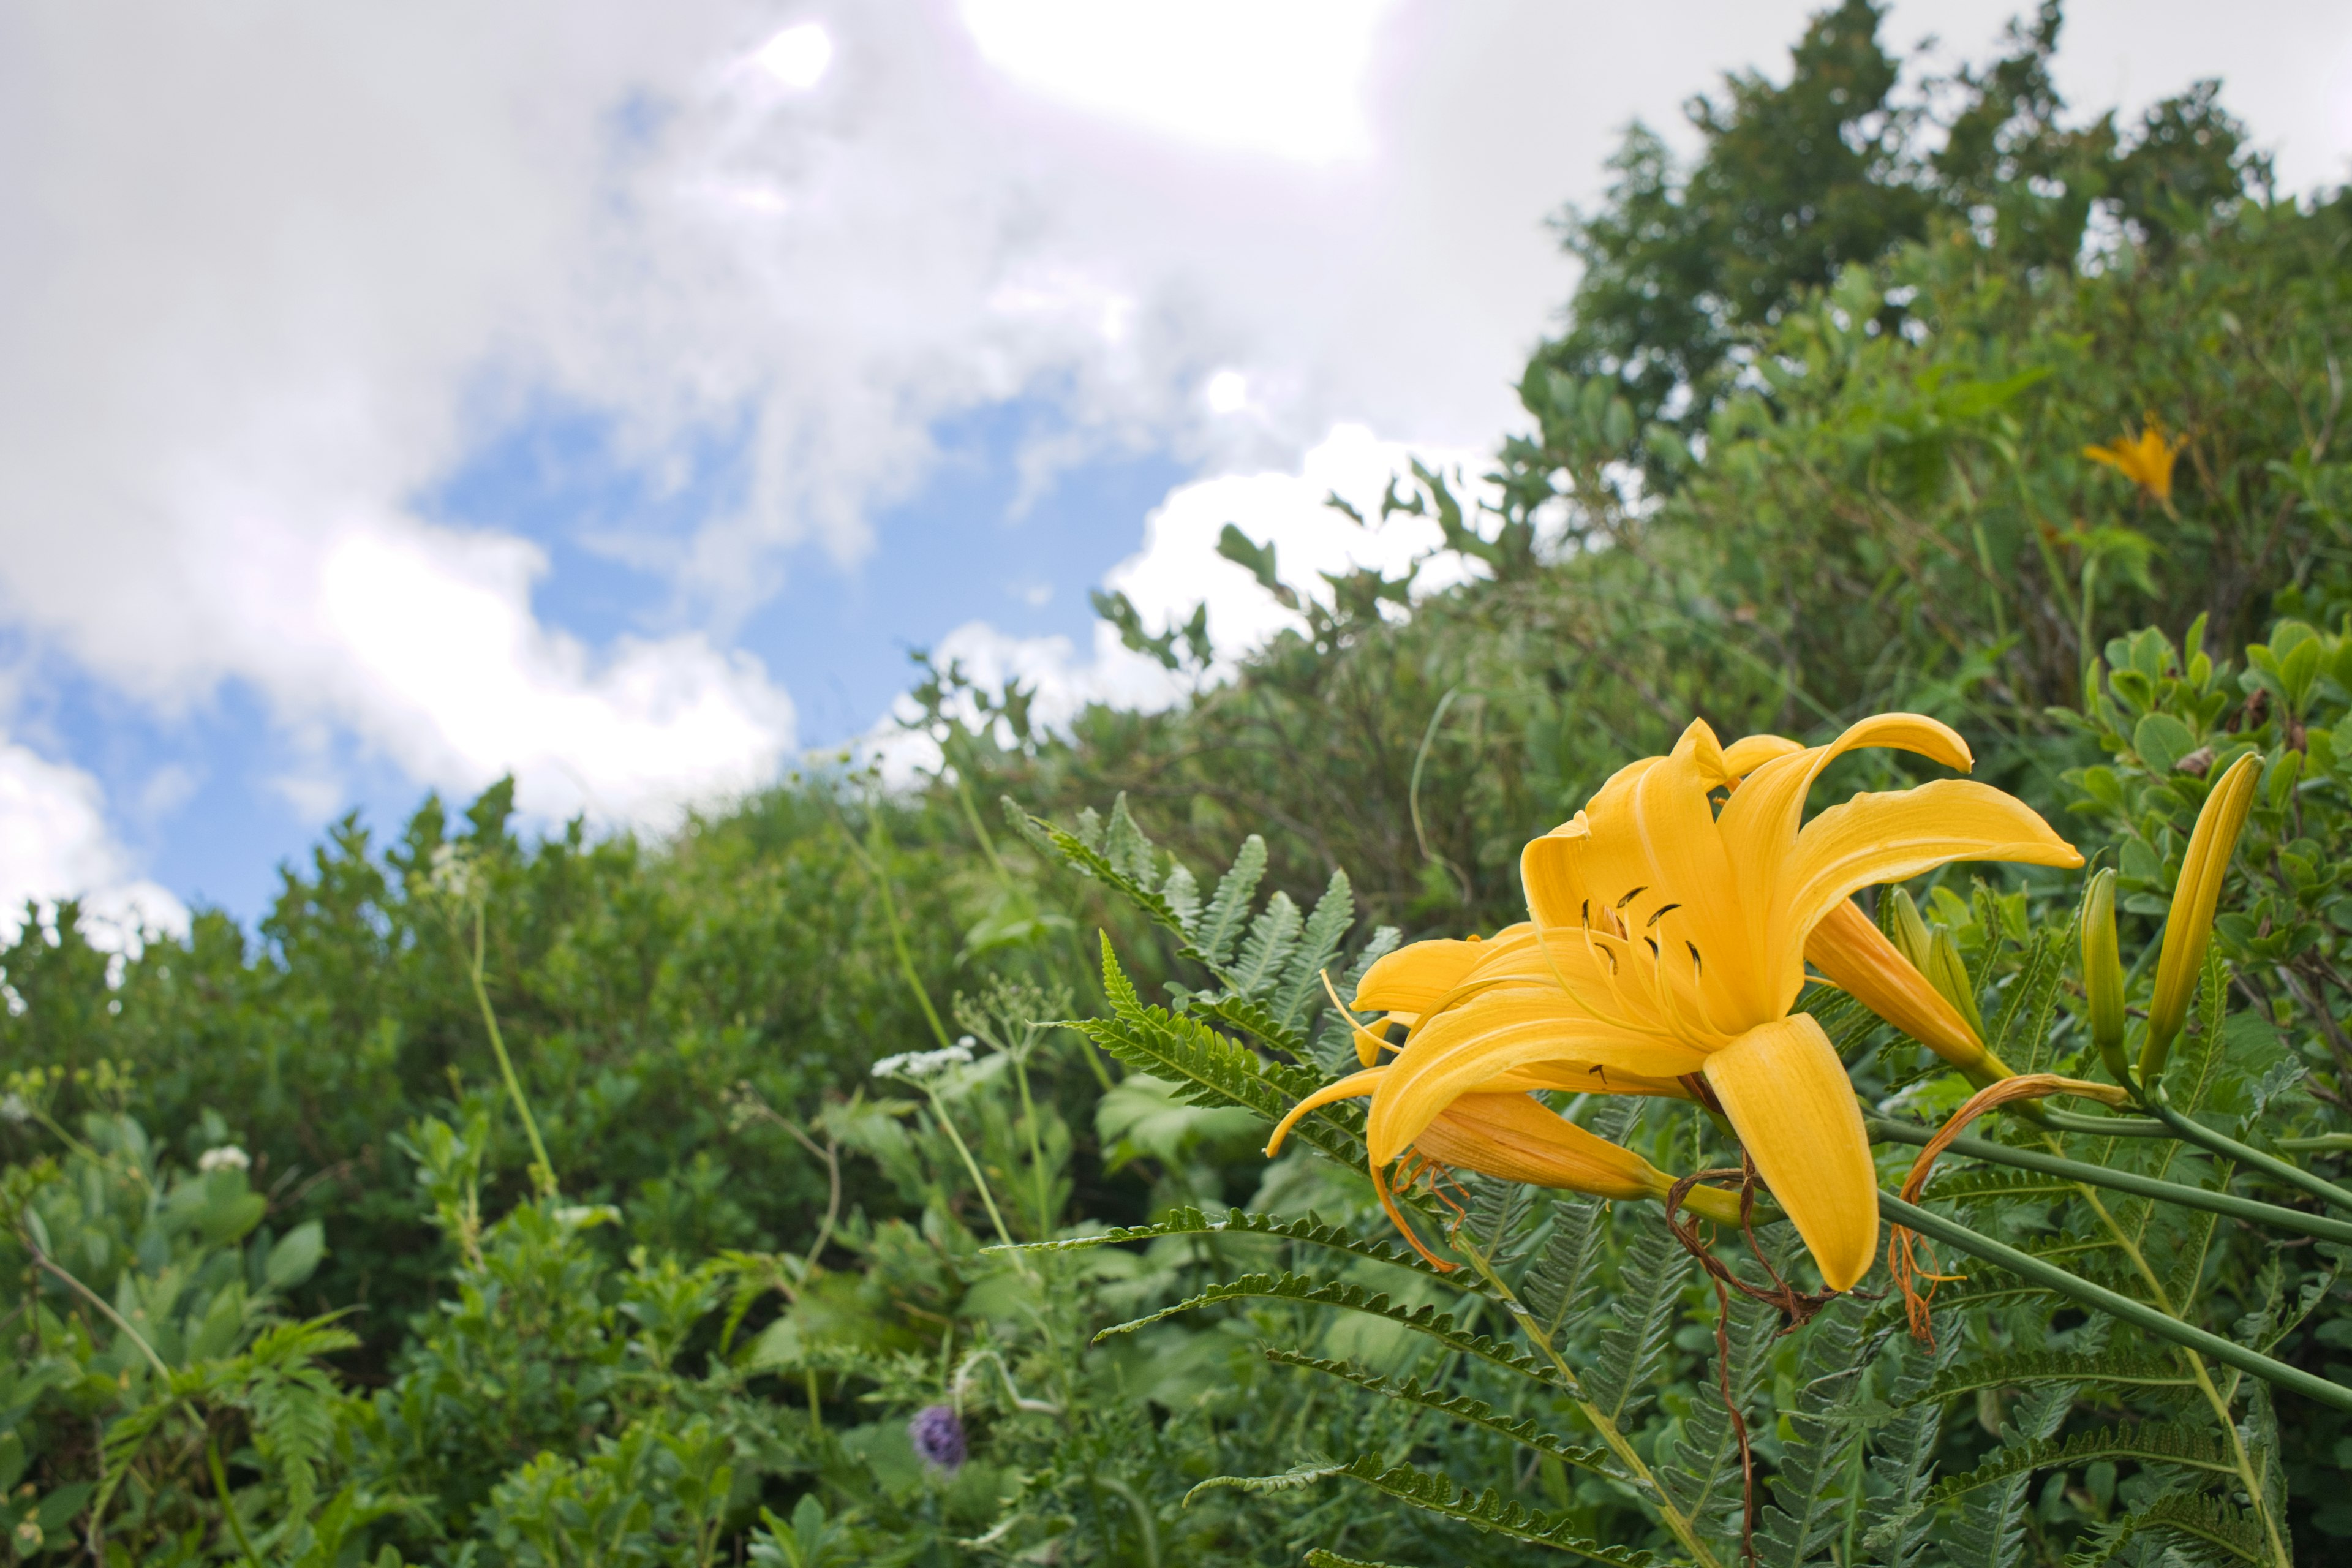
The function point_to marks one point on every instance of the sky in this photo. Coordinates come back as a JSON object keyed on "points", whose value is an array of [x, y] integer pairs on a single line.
{"points": [[395, 397]]}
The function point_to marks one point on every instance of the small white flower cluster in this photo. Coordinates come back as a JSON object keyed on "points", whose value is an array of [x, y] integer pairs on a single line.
{"points": [[926, 1063], [228, 1157], [14, 1109], [453, 872]]}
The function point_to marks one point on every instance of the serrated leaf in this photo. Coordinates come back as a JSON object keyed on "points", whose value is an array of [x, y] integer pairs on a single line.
{"points": [[1251, 1016], [1212, 1069], [1223, 922], [2211, 1522], [2029, 1367], [1318, 1557], [1308, 1291], [1895, 1520], [1702, 1477], [1301, 991], [1182, 895], [1459, 1407], [1289, 1481], [1990, 1530], [2148, 1442], [1819, 1436], [1312, 1231], [1125, 847], [1488, 1511], [1272, 937], [1335, 1044], [1648, 1303]]}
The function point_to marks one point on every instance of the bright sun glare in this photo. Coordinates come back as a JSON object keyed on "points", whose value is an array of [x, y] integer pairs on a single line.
{"points": [[797, 56], [1252, 74]]}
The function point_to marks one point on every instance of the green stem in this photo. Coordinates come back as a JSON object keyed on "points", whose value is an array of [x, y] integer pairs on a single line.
{"points": [[2230, 1204], [1677, 1523], [995, 1219], [2323, 1143], [873, 866], [543, 1171], [228, 1508], [2271, 1165], [2095, 1126], [2139, 1314]]}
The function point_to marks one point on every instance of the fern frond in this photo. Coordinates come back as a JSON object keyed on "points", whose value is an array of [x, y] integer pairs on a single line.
{"points": [[1125, 846], [1818, 1440], [1222, 922], [1702, 1477], [1961, 1185], [1290, 1480], [1252, 1017], [1459, 1406], [1650, 1301], [2150, 1442], [1308, 1291], [1989, 1531], [1561, 1282], [1211, 1069], [1312, 1231], [1181, 894], [1272, 937], [1488, 1511], [1903, 1460], [1088, 860], [2031, 1368], [2210, 1522], [1318, 1558], [1300, 990]]}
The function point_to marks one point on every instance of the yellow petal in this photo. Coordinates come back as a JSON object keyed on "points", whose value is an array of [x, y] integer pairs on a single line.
{"points": [[1749, 752], [1415, 977], [1759, 829], [1788, 1098], [1513, 1137], [1859, 960], [1347, 1087], [1889, 838], [1465, 1048]]}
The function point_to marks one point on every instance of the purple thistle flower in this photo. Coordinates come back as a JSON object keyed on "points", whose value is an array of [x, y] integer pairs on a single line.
{"points": [[938, 1434]]}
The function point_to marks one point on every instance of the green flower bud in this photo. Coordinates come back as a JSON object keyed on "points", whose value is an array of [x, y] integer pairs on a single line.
{"points": [[2103, 973], [2188, 930]]}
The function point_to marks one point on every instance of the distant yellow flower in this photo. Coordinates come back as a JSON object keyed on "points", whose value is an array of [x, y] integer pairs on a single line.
{"points": [[1668, 943], [2146, 461]]}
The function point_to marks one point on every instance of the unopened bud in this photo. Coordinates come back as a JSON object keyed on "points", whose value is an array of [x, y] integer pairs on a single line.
{"points": [[2103, 973], [1949, 976], [2188, 930]]}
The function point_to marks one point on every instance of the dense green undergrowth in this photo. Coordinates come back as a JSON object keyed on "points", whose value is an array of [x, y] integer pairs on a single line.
{"points": [[284, 1286]]}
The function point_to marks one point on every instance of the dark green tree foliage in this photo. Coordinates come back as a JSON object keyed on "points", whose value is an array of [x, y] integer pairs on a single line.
{"points": [[1842, 164]]}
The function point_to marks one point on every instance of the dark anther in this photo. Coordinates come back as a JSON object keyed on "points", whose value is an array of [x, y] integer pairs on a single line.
{"points": [[1663, 910], [1630, 897]]}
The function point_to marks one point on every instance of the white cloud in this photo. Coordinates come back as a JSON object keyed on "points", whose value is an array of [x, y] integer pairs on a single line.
{"points": [[1284, 77], [55, 843], [1179, 569], [274, 270]]}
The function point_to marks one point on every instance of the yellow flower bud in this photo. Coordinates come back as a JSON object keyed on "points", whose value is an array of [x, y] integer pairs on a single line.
{"points": [[2188, 930], [2103, 973]]}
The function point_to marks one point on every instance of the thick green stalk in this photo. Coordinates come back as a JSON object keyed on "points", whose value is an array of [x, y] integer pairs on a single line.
{"points": [[2139, 1314], [2249, 1209], [2271, 1165]]}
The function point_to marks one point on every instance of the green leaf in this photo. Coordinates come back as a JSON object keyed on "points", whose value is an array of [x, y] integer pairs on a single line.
{"points": [[1648, 1304], [1214, 1069], [1490, 1511], [1703, 1476], [1989, 1531], [1272, 937], [1897, 1521], [1318, 1558], [1300, 994], [2028, 1368], [1228, 913], [1818, 1434], [296, 1256], [1459, 1406], [2210, 1522], [1290, 1480], [2148, 1442], [1308, 1291], [1312, 1231]]}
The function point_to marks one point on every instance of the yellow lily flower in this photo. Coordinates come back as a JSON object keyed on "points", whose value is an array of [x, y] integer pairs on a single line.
{"points": [[1668, 943], [2146, 461]]}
